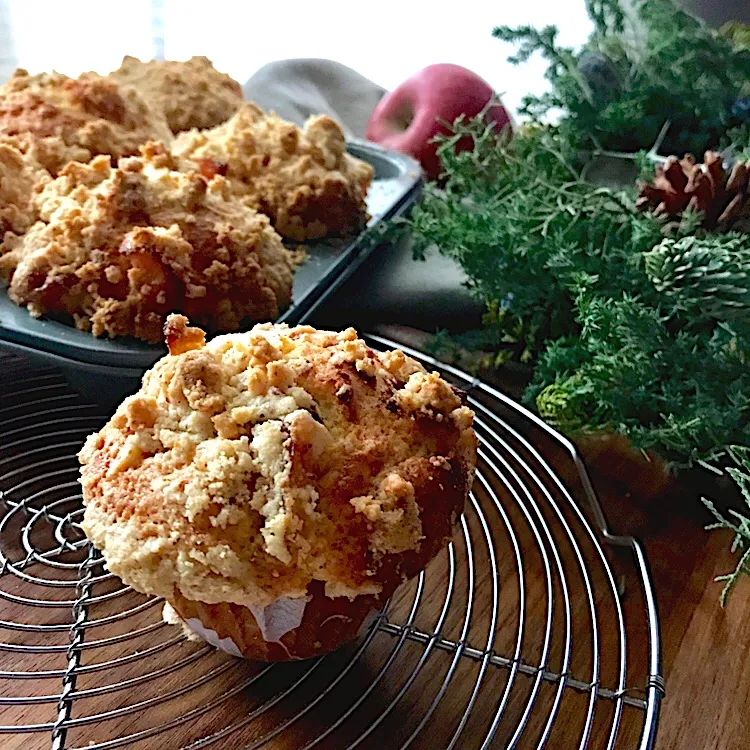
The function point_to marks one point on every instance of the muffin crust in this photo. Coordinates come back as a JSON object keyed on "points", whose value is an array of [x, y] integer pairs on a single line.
{"points": [[260, 464]]}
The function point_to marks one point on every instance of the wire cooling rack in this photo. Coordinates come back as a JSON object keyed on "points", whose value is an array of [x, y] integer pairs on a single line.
{"points": [[537, 627]]}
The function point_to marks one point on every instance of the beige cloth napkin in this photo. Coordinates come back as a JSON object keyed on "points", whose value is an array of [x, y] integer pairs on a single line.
{"points": [[296, 89]]}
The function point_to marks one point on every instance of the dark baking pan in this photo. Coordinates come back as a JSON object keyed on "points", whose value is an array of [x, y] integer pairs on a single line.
{"points": [[106, 369]]}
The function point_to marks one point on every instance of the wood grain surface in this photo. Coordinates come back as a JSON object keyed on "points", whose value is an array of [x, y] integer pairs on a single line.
{"points": [[706, 648]]}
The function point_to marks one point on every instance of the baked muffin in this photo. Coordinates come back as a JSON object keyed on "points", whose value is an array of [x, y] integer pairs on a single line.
{"points": [[302, 178], [84, 116], [116, 249], [191, 94], [276, 486]]}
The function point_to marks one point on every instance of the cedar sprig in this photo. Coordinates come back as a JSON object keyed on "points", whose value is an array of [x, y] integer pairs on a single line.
{"points": [[616, 92], [680, 393], [573, 286], [735, 521]]}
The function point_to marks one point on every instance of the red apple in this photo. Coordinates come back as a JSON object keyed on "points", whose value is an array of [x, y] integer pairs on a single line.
{"points": [[408, 118]]}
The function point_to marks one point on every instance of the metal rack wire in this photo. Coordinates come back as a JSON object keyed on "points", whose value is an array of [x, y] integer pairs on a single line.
{"points": [[537, 627]]}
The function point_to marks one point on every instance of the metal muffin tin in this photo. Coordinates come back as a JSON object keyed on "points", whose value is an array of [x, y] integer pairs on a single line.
{"points": [[106, 369]]}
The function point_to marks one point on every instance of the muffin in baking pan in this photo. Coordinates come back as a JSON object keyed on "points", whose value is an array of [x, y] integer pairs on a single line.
{"points": [[276, 486], [108, 224], [114, 249], [301, 177], [63, 119], [190, 94]]}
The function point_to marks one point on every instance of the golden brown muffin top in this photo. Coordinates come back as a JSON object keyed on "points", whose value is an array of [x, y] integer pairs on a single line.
{"points": [[118, 248], [90, 112], [301, 177], [190, 94], [247, 467]]}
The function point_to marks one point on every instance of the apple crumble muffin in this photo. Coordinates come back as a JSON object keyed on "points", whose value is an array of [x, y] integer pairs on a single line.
{"points": [[82, 116], [302, 178], [275, 486], [116, 249], [191, 94]]}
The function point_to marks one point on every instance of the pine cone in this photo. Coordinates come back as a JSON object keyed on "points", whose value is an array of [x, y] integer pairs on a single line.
{"points": [[723, 197]]}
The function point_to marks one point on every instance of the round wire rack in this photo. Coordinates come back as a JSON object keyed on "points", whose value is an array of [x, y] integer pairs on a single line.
{"points": [[537, 626]]}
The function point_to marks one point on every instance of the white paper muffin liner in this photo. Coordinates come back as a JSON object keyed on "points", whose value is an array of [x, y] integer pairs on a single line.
{"points": [[274, 622]]}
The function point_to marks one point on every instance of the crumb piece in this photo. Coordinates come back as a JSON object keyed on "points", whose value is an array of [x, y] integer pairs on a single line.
{"points": [[180, 337]]}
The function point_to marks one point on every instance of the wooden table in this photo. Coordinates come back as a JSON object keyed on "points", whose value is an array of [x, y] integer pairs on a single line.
{"points": [[706, 649]]}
